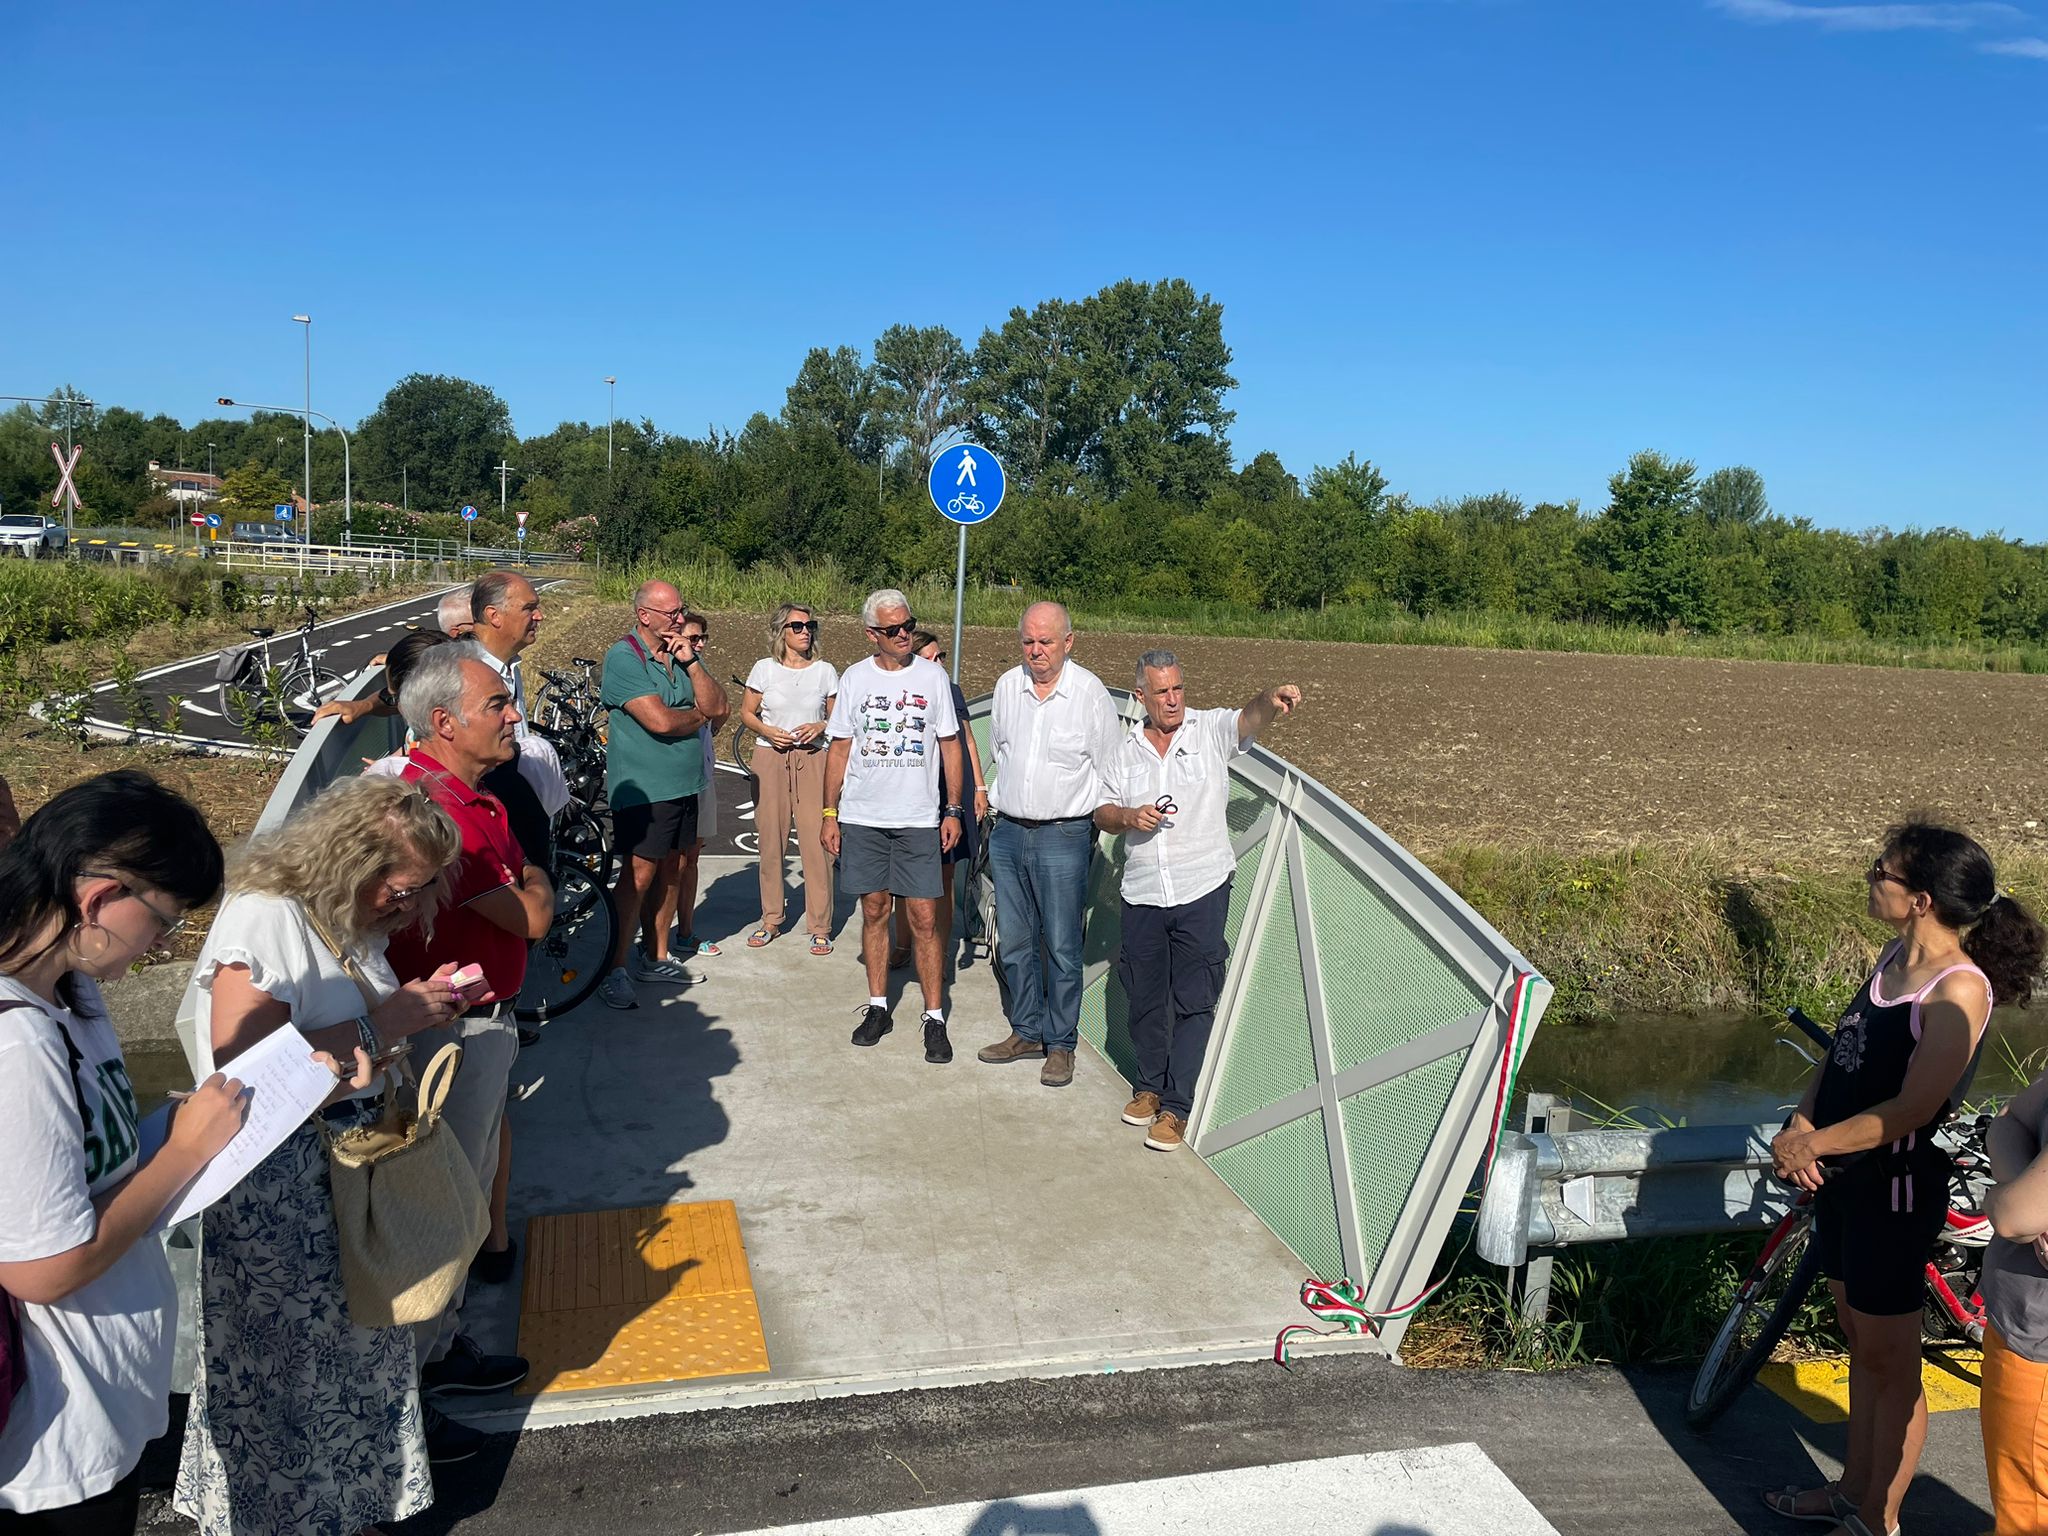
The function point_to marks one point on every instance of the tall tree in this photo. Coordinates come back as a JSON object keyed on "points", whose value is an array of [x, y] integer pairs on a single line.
{"points": [[1154, 372], [835, 391], [923, 370], [1646, 541], [1026, 385], [441, 435], [1733, 495]]}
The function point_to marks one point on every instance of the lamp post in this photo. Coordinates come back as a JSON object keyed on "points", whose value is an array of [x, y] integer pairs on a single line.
{"points": [[209, 461], [347, 474], [307, 322], [70, 404], [609, 419]]}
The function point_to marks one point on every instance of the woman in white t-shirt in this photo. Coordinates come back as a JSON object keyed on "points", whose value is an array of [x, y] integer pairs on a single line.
{"points": [[789, 698], [301, 1421], [102, 873]]}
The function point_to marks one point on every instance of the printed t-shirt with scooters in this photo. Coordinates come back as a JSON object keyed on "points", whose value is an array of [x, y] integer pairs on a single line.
{"points": [[894, 721]]}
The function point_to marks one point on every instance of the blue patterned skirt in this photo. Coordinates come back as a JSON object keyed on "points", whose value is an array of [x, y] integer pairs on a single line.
{"points": [[302, 1424]]}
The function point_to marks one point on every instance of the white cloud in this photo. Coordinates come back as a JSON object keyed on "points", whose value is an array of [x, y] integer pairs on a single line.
{"points": [[1956, 16], [2019, 48]]}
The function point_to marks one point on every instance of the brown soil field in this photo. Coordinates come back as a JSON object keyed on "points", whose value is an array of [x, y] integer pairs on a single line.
{"points": [[1768, 760]]}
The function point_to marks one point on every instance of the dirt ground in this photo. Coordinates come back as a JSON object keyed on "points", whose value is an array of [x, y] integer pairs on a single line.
{"points": [[1780, 761]]}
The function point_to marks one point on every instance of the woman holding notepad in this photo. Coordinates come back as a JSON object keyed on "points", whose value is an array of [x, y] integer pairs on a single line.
{"points": [[99, 875]]}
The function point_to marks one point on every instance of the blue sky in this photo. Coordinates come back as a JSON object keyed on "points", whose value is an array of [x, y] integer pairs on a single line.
{"points": [[1486, 243]]}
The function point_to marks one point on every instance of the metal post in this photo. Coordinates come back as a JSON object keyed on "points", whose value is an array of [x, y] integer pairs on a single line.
{"points": [[959, 599], [609, 420], [307, 322], [1529, 1286]]}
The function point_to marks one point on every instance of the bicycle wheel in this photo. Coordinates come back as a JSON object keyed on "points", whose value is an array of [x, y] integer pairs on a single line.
{"points": [[568, 963], [301, 691], [1764, 1307], [237, 703], [583, 846]]}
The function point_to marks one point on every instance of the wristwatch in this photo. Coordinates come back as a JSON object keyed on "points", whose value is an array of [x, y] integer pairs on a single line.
{"points": [[955, 811]]}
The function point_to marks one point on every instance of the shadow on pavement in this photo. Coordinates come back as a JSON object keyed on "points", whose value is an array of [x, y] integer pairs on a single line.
{"points": [[1009, 1518]]}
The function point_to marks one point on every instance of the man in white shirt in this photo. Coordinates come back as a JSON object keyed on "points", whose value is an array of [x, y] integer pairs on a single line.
{"points": [[1168, 793], [892, 728], [507, 617], [1052, 732]]}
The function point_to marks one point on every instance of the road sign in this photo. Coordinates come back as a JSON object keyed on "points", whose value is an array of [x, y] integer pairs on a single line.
{"points": [[213, 519], [67, 489], [522, 533], [521, 515], [469, 514], [966, 484], [198, 519], [282, 511]]}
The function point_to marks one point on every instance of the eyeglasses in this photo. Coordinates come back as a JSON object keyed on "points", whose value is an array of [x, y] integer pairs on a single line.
{"points": [[698, 638], [662, 613], [166, 926], [1878, 873], [893, 630], [810, 624], [395, 897]]}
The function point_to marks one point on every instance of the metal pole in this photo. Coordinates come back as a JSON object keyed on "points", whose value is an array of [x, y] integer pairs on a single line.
{"points": [[405, 479], [348, 503], [609, 420], [307, 322], [959, 599]]}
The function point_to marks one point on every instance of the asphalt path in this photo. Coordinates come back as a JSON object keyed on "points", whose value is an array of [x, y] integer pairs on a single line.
{"points": [[349, 643]]}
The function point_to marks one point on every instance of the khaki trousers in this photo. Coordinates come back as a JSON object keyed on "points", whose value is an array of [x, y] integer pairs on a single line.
{"points": [[793, 789]]}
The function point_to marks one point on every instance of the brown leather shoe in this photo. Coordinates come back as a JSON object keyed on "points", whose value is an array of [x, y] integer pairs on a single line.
{"points": [[1142, 1110], [1012, 1047], [1058, 1070], [1165, 1135]]}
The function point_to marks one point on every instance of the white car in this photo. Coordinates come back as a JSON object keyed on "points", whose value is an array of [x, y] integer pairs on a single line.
{"points": [[26, 533]]}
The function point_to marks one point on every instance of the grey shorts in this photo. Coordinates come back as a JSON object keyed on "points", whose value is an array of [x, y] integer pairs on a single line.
{"points": [[904, 861]]}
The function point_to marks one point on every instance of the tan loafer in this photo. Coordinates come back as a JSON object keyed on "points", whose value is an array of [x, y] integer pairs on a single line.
{"points": [[1012, 1047], [1166, 1133], [1142, 1110], [1058, 1070]]}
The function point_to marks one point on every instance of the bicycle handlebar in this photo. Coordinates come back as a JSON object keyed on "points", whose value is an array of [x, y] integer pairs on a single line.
{"points": [[1796, 1017]]}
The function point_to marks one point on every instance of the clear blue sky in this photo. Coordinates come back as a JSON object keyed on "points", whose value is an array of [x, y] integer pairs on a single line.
{"points": [[1486, 243]]}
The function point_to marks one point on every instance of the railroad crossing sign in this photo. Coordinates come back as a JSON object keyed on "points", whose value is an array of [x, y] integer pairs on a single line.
{"points": [[966, 484], [67, 488], [469, 514], [213, 519], [281, 511]]}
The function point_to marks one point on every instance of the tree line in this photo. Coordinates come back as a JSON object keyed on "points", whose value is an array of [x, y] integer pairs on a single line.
{"points": [[1109, 412]]}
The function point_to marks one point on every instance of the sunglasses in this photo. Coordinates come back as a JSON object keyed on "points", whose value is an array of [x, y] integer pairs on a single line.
{"points": [[893, 630], [699, 638], [396, 897], [810, 624], [1877, 873]]}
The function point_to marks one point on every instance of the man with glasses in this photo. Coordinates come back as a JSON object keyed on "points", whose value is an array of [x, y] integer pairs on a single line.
{"points": [[1052, 731], [1168, 792], [506, 617], [892, 729], [660, 696]]}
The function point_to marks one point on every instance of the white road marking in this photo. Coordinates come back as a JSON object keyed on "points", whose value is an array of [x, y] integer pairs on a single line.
{"points": [[201, 709], [364, 635], [1448, 1490]]}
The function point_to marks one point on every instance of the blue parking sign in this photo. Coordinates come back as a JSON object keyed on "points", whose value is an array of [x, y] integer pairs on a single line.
{"points": [[282, 511], [966, 484]]}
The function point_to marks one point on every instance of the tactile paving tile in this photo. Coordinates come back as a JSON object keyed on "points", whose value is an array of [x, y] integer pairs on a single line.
{"points": [[636, 1297]]}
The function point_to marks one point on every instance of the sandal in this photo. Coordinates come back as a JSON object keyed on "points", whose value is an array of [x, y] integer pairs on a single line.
{"points": [[690, 944], [1781, 1501], [760, 938], [820, 945]]}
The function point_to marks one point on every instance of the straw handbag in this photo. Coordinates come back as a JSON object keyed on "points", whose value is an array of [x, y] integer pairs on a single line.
{"points": [[408, 1207]]}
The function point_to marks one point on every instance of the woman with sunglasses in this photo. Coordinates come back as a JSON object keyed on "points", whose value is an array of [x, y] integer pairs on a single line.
{"points": [[98, 876], [301, 1421], [926, 644], [1862, 1139], [789, 697]]}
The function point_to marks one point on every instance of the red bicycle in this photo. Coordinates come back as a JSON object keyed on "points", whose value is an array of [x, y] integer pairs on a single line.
{"points": [[1777, 1284]]}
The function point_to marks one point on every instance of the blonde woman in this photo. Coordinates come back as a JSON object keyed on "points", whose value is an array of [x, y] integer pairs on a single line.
{"points": [[301, 1421], [789, 697]]}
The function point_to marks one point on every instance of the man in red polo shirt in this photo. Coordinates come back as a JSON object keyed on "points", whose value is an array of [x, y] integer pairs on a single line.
{"points": [[462, 717]]}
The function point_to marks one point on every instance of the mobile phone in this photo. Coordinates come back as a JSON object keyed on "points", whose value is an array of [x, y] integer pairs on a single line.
{"points": [[469, 979]]}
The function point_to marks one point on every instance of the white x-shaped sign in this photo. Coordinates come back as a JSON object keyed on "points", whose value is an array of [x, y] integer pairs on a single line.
{"points": [[65, 487]]}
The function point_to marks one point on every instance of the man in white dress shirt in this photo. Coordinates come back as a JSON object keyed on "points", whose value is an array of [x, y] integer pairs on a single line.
{"points": [[1052, 731], [1169, 791]]}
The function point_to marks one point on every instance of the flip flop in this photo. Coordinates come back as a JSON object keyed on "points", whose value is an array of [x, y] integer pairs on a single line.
{"points": [[760, 938], [695, 946], [1779, 1501], [820, 945]]}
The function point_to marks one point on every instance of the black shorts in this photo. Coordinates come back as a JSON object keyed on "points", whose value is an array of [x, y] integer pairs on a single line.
{"points": [[1874, 1229], [655, 831], [904, 861]]}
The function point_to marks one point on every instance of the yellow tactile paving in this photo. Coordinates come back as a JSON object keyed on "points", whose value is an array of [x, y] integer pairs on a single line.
{"points": [[1819, 1389], [628, 1298]]}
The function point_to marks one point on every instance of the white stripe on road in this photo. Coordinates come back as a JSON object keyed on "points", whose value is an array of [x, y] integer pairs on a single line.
{"points": [[364, 635], [201, 709], [1448, 1490]]}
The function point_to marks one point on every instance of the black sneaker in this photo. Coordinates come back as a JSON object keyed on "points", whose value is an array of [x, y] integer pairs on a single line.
{"points": [[448, 1441], [874, 1023], [466, 1368], [937, 1048], [494, 1268]]}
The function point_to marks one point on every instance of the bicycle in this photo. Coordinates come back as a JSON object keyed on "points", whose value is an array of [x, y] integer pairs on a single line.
{"points": [[1778, 1283], [567, 963], [964, 504], [288, 692]]}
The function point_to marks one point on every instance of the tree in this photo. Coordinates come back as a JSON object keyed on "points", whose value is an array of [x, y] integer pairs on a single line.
{"points": [[1154, 369], [1733, 495], [440, 435], [922, 370], [1646, 543], [835, 391], [250, 493], [1025, 388]]}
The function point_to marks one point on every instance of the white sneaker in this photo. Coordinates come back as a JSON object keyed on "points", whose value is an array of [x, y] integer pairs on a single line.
{"points": [[617, 991], [669, 969]]}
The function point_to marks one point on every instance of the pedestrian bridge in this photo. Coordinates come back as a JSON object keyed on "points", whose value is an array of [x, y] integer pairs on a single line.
{"points": [[909, 1224]]}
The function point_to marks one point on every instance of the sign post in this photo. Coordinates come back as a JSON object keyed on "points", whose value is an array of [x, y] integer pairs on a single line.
{"points": [[468, 517], [966, 484]]}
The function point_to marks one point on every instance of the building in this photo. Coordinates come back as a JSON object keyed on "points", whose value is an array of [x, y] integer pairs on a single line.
{"points": [[189, 487]]}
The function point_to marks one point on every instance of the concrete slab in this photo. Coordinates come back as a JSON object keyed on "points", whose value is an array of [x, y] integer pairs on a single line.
{"points": [[906, 1223]]}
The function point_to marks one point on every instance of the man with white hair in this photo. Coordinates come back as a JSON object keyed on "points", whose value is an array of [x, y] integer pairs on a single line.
{"points": [[1168, 792], [1052, 733], [453, 616], [892, 728]]}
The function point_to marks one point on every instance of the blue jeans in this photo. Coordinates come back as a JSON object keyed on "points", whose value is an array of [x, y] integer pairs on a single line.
{"points": [[1041, 879]]}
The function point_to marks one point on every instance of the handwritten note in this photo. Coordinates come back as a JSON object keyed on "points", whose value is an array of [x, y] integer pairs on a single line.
{"points": [[284, 1085]]}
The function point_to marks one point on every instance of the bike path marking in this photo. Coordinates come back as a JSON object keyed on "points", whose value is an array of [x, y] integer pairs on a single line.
{"points": [[1819, 1389]]}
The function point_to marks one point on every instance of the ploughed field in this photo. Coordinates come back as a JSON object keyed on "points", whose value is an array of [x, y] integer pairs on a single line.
{"points": [[1764, 760]]}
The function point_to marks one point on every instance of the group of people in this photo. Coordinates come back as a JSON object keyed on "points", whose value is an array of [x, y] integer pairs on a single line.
{"points": [[357, 920]]}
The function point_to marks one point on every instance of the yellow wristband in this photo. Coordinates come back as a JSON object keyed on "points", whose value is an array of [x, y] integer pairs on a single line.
{"points": [[828, 811]]}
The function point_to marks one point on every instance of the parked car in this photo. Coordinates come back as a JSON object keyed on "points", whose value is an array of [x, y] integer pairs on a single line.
{"points": [[28, 533], [265, 533]]}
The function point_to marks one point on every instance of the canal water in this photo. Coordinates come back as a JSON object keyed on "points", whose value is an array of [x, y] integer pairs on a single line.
{"points": [[1726, 1069]]}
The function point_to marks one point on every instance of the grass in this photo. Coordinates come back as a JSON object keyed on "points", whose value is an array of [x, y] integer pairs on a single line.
{"points": [[760, 587]]}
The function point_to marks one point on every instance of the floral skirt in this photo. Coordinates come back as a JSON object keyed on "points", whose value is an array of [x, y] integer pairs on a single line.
{"points": [[301, 1422]]}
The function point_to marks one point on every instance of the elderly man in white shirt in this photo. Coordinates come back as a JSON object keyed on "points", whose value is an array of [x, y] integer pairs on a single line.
{"points": [[1169, 791], [1052, 732]]}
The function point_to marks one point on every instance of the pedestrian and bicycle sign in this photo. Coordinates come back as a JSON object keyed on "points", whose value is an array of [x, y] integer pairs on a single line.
{"points": [[282, 511], [966, 484], [469, 514]]}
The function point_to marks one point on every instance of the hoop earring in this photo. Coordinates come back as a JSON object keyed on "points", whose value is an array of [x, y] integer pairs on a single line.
{"points": [[106, 943]]}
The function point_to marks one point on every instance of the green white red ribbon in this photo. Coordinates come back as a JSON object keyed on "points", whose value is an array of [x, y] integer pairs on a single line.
{"points": [[1343, 1303]]}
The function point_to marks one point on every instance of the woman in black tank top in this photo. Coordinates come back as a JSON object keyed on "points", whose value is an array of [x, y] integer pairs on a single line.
{"points": [[1863, 1140]]}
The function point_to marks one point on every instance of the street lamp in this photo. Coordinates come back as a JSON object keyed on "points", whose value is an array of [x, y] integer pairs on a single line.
{"points": [[209, 461], [70, 404], [307, 322], [347, 474], [614, 416]]}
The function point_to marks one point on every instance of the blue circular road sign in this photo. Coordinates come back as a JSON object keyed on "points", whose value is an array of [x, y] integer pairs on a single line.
{"points": [[469, 514], [213, 519], [966, 484]]}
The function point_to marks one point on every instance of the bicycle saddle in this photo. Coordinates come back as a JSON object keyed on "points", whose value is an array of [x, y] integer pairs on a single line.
{"points": [[581, 661], [262, 634]]}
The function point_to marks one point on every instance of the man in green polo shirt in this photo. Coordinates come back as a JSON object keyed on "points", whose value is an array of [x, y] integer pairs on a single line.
{"points": [[660, 696]]}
